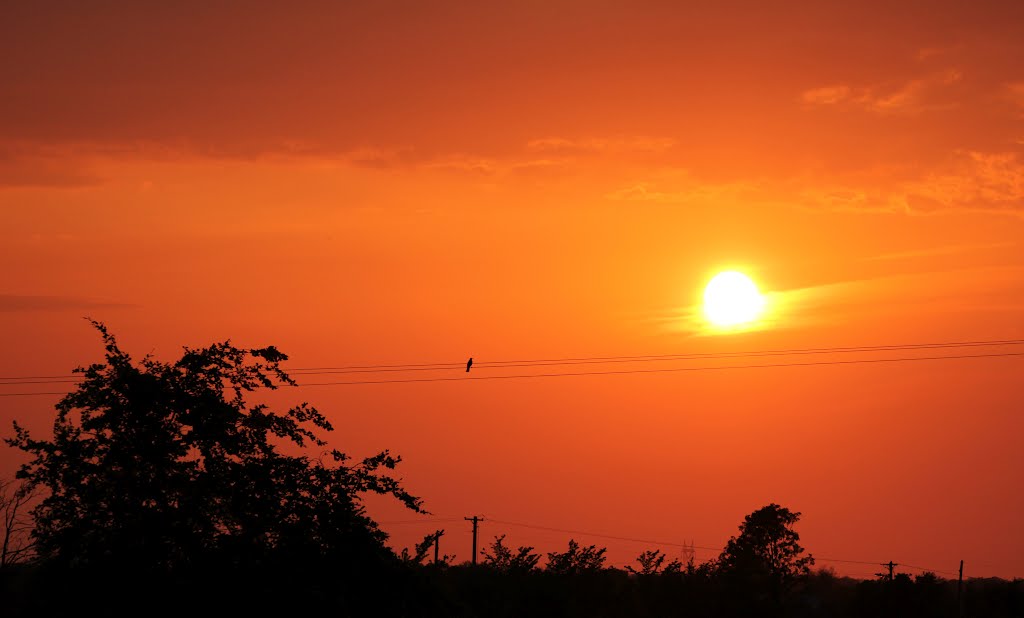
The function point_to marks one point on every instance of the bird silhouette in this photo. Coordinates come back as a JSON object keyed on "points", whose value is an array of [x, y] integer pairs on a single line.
{"points": [[469, 364]]}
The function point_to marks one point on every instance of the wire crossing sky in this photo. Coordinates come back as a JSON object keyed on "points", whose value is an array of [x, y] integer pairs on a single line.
{"points": [[636, 371]]}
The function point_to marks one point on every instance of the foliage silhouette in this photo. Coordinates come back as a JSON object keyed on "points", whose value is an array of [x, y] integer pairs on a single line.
{"points": [[576, 559], [651, 563], [16, 544], [158, 465], [766, 558], [422, 550], [503, 559]]}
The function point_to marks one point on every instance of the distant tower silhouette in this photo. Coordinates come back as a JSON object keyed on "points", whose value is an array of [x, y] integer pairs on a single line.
{"points": [[689, 553], [469, 364]]}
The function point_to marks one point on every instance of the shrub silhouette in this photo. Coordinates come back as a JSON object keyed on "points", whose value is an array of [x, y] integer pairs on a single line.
{"points": [[576, 559], [503, 559], [653, 563]]}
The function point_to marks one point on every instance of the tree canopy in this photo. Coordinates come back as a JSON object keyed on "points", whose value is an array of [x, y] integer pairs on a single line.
{"points": [[504, 559], [577, 559], [652, 562], [766, 554], [164, 464]]}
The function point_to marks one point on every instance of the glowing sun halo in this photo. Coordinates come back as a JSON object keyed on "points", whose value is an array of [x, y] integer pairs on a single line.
{"points": [[732, 299]]}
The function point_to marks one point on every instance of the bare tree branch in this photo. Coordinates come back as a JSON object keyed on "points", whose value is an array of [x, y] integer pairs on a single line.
{"points": [[17, 544]]}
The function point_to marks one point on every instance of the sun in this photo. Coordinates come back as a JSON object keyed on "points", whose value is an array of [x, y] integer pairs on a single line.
{"points": [[732, 299]]}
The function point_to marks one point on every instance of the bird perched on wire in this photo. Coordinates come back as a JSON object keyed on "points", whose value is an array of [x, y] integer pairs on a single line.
{"points": [[469, 364]]}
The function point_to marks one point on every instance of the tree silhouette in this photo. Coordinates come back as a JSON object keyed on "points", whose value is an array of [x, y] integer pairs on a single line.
{"points": [[158, 465], [766, 556], [422, 549], [16, 544], [651, 564], [577, 559], [503, 559]]}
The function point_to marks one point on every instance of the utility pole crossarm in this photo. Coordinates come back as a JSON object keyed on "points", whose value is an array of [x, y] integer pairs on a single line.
{"points": [[437, 545], [476, 519]]}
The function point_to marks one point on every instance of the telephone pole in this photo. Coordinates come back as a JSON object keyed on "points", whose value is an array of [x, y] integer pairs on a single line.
{"points": [[960, 591], [437, 545], [476, 519], [889, 565]]}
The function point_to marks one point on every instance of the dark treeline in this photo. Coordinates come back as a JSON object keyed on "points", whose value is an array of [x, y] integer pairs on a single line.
{"points": [[165, 490], [468, 591]]}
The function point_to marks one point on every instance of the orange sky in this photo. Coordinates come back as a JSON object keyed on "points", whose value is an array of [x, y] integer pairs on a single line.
{"points": [[420, 182]]}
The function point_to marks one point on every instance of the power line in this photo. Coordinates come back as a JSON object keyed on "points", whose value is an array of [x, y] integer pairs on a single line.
{"points": [[662, 357], [69, 378], [670, 369], [925, 569], [859, 361], [872, 563], [433, 520], [599, 360], [601, 536], [31, 394], [382, 368], [62, 381]]}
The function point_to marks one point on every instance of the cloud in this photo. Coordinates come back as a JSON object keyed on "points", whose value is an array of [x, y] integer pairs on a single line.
{"points": [[1016, 92], [977, 181], [929, 52], [379, 158], [991, 182], [850, 199], [33, 167], [467, 164], [980, 290], [18, 303], [618, 145], [827, 95], [912, 96], [687, 190], [488, 166], [937, 251]]}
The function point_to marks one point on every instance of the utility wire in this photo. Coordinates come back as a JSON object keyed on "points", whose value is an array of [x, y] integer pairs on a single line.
{"points": [[816, 558], [597, 359], [859, 361], [925, 569], [664, 357], [670, 369], [433, 520], [600, 536]]}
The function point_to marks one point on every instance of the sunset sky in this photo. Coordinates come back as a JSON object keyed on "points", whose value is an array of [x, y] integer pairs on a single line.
{"points": [[410, 182]]}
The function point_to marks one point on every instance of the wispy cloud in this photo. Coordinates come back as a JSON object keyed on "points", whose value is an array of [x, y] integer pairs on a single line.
{"points": [[848, 198], [613, 145], [937, 251], [678, 191], [1015, 90], [911, 96], [981, 290], [35, 168], [826, 95], [975, 181]]}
